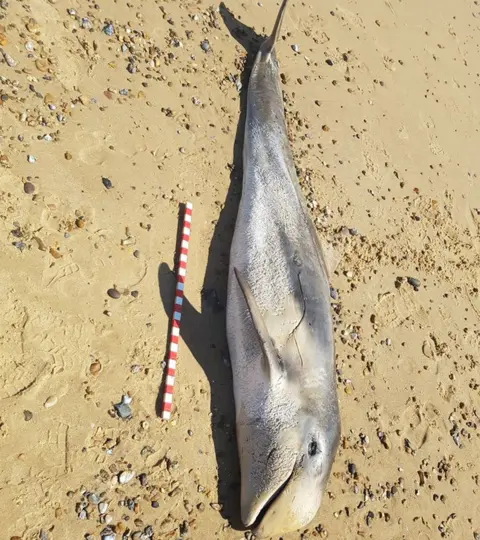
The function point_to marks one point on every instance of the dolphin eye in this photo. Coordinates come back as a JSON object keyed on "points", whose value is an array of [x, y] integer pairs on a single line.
{"points": [[313, 448]]}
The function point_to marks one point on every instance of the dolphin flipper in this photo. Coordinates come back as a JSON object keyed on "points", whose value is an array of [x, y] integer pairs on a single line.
{"points": [[272, 363]]}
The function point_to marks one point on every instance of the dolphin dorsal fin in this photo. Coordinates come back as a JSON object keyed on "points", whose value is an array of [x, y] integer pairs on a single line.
{"points": [[272, 363]]}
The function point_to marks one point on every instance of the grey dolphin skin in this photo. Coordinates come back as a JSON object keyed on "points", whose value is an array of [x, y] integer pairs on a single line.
{"points": [[279, 325]]}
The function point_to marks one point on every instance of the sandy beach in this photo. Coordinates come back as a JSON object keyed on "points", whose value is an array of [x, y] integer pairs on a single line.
{"points": [[114, 114]]}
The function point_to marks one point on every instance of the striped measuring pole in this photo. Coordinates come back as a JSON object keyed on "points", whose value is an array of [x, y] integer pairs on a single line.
{"points": [[177, 315]]}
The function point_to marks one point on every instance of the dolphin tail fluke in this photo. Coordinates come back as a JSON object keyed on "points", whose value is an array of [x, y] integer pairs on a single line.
{"points": [[269, 43]]}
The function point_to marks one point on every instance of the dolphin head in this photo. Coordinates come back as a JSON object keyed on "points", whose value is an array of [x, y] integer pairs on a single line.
{"points": [[286, 460], [288, 432]]}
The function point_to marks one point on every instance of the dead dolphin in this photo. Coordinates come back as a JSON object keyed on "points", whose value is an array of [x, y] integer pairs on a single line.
{"points": [[279, 325]]}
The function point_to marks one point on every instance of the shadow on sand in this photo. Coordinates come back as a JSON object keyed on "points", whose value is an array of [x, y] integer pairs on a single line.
{"points": [[204, 333]]}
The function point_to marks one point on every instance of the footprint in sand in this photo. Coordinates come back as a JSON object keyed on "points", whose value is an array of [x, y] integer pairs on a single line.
{"points": [[21, 368], [419, 422], [93, 147]]}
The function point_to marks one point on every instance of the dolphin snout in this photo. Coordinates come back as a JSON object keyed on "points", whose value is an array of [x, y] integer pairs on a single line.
{"points": [[293, 506], [253, 513], [263, 484]]}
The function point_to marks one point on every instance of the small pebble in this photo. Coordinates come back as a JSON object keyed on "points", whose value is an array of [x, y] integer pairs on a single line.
{"points": [[31, 159], [123, 410], [50, 402], [113, 293], [414, 282], [134, 294], [68, 156], [155, 504], [125, 477], [109, 30], [93, 498], [49, 98], [107, 183], [41, 65], [103, 507], [295, 48], [20, 245], [95, 367], [9, 60], [108, 534], [28, 188], [352, 469], [27, 415], [136, 253], [333, 293], [205, 45]]}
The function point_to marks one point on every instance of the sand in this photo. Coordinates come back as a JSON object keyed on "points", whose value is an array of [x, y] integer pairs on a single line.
{"points": [[382, 107]]}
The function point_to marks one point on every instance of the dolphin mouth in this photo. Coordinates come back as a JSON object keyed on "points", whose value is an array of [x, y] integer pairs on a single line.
{"points": [[269, 503]]}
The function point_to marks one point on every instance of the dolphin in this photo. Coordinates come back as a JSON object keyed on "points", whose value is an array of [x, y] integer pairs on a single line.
{"points": [[279, 324]]}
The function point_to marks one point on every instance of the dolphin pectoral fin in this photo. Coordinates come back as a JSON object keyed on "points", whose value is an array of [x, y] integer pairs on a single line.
{"points": [[272, 362]]}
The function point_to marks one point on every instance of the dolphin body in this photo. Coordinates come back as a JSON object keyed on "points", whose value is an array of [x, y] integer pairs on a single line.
{"points": [[279, 325]]}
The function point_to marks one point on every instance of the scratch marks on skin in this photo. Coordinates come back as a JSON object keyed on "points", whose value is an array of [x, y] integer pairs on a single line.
{"points": [[304, 309], [292, 333]]}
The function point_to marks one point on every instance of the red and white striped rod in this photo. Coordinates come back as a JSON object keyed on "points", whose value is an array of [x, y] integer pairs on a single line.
{"points": [[177, 315]]}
